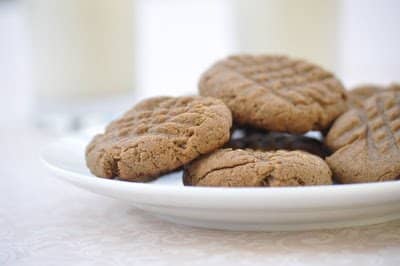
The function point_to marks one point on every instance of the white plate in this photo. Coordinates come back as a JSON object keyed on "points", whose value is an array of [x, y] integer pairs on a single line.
{"points": [[264, 209]]}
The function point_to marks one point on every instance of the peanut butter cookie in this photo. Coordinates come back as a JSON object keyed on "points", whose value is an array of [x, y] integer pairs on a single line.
{"points": [[276, 93], [159, 135], [366, 141], [249, 168], [358, 95]]}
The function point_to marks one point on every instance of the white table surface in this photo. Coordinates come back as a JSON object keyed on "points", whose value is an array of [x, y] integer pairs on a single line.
{"points": [[44, 221]]}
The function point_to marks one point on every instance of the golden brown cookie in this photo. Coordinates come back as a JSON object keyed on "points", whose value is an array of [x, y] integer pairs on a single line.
{"points": [[249, 168], [270, 141], [366, 141], [358, 95], [159, 135], [275, 93]]}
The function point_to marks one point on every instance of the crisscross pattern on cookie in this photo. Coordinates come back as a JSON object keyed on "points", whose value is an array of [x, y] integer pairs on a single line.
{"points": [[169, 116], [296, 81], [378, 122], [227, 167], [358, 95], [301, 95], [159, 135], [367, 141]]}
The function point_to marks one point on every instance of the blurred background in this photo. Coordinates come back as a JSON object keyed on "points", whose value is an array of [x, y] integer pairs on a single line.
{"points": [[69, 64]]}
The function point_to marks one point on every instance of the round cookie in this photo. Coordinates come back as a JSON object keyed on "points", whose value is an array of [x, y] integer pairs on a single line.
{"points": [[358, 95], [249, 168], [275, 93], [366, 141], [159, 135], [270, 141]]}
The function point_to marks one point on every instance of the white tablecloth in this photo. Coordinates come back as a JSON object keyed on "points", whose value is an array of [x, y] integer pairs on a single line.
{"points": [[44, 221]]}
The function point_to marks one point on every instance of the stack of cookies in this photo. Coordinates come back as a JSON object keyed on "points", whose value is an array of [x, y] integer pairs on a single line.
{"points": [[274, 100]]}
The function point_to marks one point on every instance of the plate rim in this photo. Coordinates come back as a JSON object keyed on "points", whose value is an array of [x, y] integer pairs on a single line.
{"points": [[254, 193]]}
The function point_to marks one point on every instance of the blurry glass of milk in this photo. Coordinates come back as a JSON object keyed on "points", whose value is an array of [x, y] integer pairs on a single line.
{"points": [[303, 29], [82, 52]]}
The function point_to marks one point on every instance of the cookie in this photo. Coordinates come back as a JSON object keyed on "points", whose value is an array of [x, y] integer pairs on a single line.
{"points": [[249, 168], [270, 141], [276, 93], [366, 141], [358, 95], [159, 135]]}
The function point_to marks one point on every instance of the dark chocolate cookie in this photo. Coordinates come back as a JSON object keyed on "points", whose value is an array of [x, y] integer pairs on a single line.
{"points": [[270, 141]]}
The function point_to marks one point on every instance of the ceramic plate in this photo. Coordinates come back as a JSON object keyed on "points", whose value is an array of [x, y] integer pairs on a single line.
{"points": [[257, 209]]}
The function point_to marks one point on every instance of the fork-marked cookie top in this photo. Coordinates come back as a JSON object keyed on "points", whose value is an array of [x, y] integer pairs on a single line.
{"points": [[358, 95], [275, 92], [159, 135], [366, 141], [249, 168]]}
